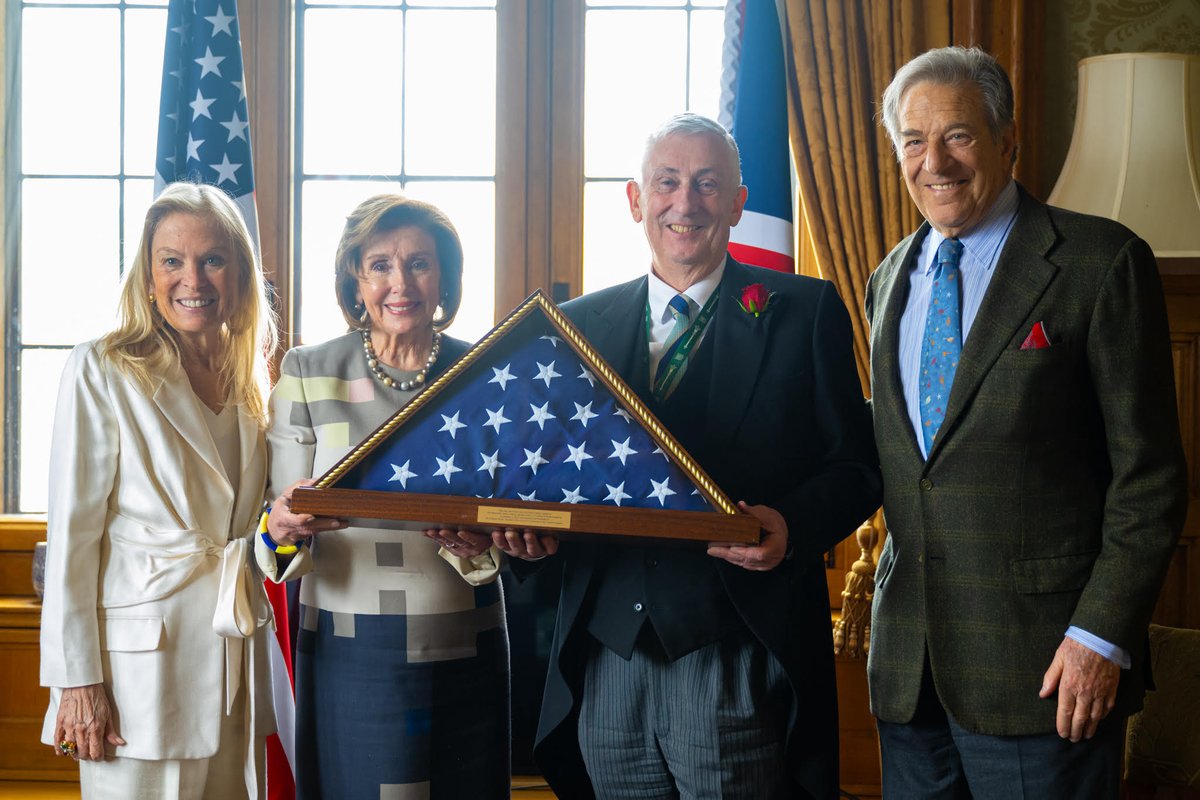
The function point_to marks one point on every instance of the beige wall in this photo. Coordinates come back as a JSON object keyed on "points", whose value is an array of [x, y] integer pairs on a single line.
{"points": [[1076, 29]]}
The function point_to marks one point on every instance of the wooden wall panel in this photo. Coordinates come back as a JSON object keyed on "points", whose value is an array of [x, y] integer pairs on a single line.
{"points": [[1179, 601], [17, 538], [16, 571], [859, 765], [837, 563], [23, 703], [1183, 355]]}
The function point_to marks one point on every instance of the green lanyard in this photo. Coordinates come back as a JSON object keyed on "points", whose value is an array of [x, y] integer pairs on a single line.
{"points": [[673, 373]]}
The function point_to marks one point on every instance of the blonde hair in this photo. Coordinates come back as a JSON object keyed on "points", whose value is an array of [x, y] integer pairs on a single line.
{"points": [[144, 347]]}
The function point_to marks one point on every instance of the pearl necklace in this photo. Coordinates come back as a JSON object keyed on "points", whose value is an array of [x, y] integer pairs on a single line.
{"points": [[404, 386]]}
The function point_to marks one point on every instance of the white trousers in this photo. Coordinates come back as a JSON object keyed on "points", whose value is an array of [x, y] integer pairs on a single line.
{"points": [[219, 777]]}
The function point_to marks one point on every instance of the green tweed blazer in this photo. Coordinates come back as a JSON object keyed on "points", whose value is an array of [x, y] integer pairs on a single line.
{"points": [[1056, 490]]}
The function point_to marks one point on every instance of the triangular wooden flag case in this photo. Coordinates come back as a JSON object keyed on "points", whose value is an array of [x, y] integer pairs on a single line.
{"points": [[530, 429]]}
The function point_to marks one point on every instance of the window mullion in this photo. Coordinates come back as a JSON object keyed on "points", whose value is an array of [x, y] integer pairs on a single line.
{"points": [[267, 36], [565, 213], [10, 219]]}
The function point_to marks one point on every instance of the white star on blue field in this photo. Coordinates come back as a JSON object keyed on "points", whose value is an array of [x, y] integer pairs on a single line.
{"points": [[203, 127], [574, 444]]}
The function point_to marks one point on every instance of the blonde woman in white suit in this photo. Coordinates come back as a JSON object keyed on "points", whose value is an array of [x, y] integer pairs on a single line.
{"points": [[153, 623]]}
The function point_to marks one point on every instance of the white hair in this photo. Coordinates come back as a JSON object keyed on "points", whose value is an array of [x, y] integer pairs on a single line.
{"points": [[689, 124], [952, 66]]}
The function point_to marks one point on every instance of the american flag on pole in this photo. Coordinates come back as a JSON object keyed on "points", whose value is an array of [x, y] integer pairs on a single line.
{"points": [[204, 124], [204, 137], [753, 108]]}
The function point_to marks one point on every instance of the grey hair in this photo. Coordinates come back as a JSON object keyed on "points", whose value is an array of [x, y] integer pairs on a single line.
{"points": [[689, 124], [952, 66]]}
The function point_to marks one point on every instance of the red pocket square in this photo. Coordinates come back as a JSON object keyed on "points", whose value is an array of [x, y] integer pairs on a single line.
{"points": [[1037, 338]]}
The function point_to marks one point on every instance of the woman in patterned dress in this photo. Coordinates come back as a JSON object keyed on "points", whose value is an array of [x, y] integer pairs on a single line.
{"points": [[402, 666]]}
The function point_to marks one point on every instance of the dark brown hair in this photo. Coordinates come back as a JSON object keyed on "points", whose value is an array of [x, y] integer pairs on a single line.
{"points": [[387, 212]]}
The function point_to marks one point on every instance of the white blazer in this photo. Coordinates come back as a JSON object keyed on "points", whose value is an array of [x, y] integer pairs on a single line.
{"points": [[148, 587]]}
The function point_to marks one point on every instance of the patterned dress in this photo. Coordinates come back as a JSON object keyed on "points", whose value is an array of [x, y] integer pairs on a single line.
{"points": [[402, 665]]}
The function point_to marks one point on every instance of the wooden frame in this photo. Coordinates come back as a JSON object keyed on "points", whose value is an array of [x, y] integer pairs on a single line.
{"points": [[452, 511], [329, 498]]}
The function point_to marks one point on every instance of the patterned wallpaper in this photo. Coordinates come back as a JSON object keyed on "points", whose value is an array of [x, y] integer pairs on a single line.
{"points": [[1076, 29]]}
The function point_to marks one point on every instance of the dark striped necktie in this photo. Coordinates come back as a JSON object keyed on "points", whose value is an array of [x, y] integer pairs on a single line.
{"points": [[681, 309]]}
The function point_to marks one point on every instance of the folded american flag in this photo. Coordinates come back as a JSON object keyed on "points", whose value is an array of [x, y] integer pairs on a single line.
{"points": [[528, 419]]}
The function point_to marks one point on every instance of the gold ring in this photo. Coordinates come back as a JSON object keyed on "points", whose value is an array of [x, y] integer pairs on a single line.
{"points": [[67, 747]]}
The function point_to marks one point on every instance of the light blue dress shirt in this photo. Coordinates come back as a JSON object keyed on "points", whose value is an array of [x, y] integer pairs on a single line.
{"points": [[982, 246], [981, 250]]}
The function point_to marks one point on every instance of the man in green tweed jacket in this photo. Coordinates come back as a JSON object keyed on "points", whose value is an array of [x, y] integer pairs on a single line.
{"points": [[1034, 479]]}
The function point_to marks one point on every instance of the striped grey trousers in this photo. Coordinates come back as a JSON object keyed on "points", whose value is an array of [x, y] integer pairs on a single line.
{"points": [[711, 724]]}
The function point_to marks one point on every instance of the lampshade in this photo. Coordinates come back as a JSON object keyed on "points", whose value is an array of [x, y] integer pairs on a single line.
{"points": [[1135, 151]]}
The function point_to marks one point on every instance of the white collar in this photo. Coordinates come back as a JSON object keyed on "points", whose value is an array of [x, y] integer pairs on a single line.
{"points": [[659, 293], [982, 242]]}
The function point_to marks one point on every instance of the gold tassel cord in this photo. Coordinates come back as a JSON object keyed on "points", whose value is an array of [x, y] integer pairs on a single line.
{"points": [[852, 632]]}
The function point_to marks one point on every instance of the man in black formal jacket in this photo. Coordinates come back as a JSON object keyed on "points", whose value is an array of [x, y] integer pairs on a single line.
{"points": [[676, 672]]}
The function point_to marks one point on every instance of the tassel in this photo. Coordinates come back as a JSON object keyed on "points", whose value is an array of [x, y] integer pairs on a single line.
{"points": [[852, 632]]}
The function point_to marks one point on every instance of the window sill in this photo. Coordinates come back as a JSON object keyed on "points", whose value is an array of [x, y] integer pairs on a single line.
{"points": [[19, 532]]}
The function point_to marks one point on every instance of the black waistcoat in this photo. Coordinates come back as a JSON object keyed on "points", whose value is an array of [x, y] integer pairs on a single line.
{"points": [[675, 588]]}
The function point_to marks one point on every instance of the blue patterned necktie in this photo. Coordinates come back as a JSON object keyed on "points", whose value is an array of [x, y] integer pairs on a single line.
{"points": [[942, 342], [681, 309]]}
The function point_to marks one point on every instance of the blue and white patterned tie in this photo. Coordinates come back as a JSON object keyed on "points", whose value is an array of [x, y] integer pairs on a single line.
{"points": [[681, 309], [942, 342]]}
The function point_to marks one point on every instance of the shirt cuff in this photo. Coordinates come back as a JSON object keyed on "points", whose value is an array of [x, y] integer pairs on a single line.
{"points": [[269, 562], [1117, 655], [476, 570]]}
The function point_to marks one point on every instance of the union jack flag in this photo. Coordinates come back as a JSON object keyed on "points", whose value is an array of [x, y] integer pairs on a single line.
{"points": [[528, 420], [753, 107]]}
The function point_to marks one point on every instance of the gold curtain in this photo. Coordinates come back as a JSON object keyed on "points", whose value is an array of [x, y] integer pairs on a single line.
{"points": [[854, 208]]}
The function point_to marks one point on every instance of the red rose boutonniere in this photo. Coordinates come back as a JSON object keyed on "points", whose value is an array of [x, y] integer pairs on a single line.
{"points": [[755, 299]]}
